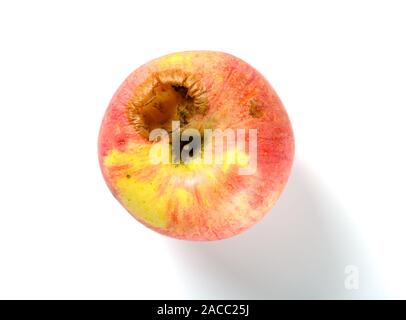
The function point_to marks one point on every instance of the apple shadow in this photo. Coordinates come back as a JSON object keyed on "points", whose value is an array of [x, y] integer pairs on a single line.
{"points": [[298, 251]]}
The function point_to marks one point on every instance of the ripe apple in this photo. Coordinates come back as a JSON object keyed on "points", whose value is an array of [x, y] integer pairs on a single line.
{"points": [[196, 200]]}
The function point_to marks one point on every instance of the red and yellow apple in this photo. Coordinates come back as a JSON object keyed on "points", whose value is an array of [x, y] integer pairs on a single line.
{"points": [[195, 200]]}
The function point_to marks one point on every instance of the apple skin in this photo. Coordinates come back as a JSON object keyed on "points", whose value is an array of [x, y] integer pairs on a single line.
{"points": [[195, 202]]}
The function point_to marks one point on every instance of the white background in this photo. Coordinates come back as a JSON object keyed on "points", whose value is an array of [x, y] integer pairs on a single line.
{"points": [[338, 66]]}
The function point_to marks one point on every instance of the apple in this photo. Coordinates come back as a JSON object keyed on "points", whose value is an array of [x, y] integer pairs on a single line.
{"points": [[208, 98]]}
